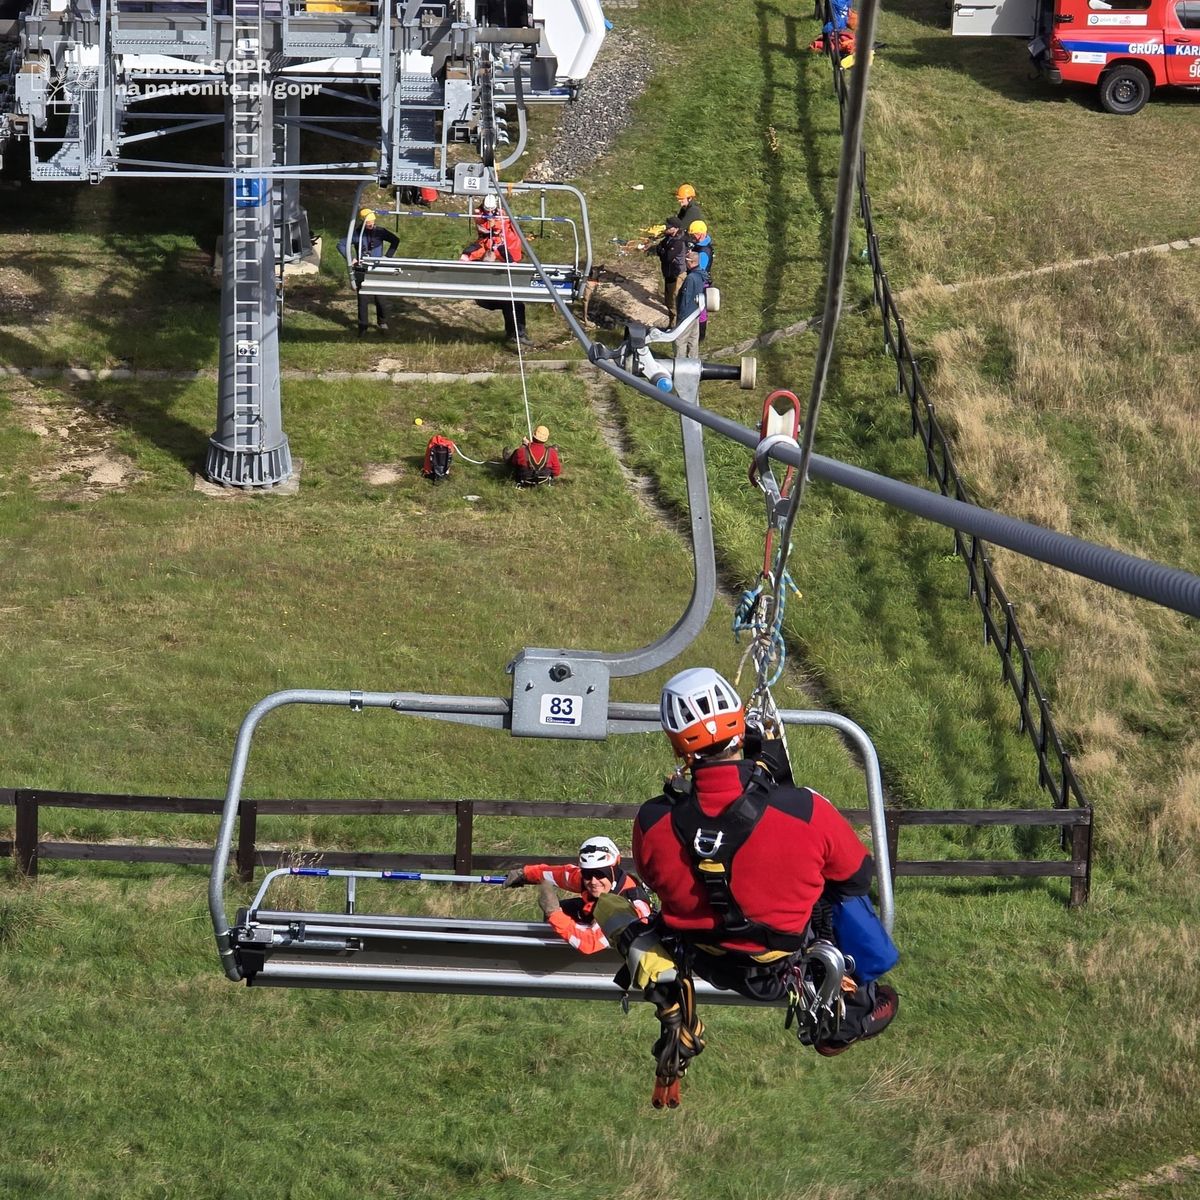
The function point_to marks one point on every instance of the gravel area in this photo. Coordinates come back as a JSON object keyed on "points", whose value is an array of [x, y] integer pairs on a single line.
{"points": [[587, 128]]}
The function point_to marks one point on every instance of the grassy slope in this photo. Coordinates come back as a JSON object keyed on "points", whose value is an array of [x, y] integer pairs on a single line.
{"points": [[1033, 1057]]}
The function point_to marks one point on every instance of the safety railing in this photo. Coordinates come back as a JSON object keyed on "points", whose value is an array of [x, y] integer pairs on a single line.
{"points": [[1000, 628], [28, 849]]}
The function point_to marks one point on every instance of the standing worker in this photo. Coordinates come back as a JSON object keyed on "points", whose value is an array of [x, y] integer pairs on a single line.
{"points": [[498, 242], [369, 243], [689, 206], [671, 249], [700, 240], [691, 299]]}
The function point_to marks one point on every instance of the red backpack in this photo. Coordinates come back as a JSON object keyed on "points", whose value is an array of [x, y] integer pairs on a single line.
{"points": [[437, 458]]}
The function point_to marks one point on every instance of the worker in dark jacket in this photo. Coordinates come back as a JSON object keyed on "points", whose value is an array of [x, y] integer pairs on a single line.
{"points": [[671, 249], [369, 242], [597, 873], [689, 206], [691, 300]]}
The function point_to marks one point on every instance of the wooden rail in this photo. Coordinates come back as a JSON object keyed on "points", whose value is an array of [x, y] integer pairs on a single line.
{"points": [[28, 849]]}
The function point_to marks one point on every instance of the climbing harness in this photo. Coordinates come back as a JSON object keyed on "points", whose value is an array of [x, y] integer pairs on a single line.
{"points": [[712, 842]]}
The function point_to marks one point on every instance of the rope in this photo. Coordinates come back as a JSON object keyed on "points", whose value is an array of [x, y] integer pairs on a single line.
{"points": [[479, 462], [508, 216]]}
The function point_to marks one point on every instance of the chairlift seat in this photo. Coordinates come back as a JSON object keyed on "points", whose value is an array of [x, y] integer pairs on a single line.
{"points": [[443, 955], [433, 279]]}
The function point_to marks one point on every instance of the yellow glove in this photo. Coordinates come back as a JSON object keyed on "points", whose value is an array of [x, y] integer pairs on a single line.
{"points": [[649, 962]]}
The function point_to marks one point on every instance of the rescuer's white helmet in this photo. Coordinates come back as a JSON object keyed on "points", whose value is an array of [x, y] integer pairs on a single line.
{"points": [[597, 853]]}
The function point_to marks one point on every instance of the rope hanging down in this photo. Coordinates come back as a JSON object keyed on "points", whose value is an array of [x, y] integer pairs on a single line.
{"points": [[518, 329], [767, 648]]}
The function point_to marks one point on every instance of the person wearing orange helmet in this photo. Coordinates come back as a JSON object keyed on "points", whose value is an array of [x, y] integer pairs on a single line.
{"points": [[689, 206], [748, 867]]}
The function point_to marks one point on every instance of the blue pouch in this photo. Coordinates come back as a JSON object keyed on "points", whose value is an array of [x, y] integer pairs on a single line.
{"points": [[860, 933]]}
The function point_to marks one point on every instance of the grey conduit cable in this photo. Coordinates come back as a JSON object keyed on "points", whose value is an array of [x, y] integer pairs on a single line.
{"points": [[1168, 586]]}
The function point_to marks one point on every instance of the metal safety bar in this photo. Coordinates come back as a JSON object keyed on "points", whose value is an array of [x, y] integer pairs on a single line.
{"points": [[450, 279]]}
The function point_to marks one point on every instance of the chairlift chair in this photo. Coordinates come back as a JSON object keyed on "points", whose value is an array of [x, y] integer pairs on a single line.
{"points": [[408, 278]]}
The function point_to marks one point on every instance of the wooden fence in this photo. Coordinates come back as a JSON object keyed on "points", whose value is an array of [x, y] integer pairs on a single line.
{"points": [[27, 848]]}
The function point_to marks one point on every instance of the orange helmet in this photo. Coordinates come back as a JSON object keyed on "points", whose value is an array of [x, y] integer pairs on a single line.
{"points": [[700, 710], [685, 192]]}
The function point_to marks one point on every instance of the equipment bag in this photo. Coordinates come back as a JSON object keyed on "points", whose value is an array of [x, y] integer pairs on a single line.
{"points": [[859, 932], [437, 458]]}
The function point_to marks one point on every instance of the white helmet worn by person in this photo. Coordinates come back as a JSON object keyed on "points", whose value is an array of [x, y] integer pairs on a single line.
{"points": [[699, 711], [597, 853], [490, 203]]}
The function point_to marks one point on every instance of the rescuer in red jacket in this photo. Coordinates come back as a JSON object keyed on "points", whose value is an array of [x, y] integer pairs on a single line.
{"points": [[598, 873], [498, 241], [740, 861], [535, 461]]}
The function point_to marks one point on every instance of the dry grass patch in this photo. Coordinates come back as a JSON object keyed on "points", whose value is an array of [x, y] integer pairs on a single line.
{"points": [[76, 456], [1072, 404]]}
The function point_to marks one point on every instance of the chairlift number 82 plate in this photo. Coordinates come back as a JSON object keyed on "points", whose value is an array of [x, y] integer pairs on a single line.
{"points": [[561, 710]]}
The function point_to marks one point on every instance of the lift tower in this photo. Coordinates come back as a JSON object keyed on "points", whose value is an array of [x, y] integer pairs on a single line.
{"points": [[249, 447]]}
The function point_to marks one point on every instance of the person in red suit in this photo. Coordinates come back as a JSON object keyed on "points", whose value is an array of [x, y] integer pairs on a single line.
{"points": [[535, 461], [742, 861]]}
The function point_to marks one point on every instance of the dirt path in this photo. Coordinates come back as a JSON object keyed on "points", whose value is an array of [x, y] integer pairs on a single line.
{"points": [[1068, 264], [1182, 1170]]}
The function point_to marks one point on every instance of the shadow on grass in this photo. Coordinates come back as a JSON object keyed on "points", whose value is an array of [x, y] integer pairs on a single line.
{"points": [[784, 247], [159, 302]]}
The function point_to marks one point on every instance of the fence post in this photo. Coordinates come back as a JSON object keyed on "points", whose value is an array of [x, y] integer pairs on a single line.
{"points": [[891, 828], [1081, 852], [25, 843], [464, 818], [247, 831]]}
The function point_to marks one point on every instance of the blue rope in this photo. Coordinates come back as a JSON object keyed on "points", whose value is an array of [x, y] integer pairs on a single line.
{"points": [[744, 618]]}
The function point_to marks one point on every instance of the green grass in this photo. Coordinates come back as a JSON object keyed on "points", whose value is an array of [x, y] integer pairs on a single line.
{"points": [[1039, 1053], [138, 1070]]}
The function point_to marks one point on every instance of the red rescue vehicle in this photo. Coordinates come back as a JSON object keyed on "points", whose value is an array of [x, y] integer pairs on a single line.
{"points": [[1125, 48]]}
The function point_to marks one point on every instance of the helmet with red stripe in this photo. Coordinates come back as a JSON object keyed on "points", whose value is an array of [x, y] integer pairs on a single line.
{"points": [[700, 711]]}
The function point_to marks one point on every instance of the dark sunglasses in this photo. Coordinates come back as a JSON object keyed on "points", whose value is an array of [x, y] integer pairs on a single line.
{"points": [[608, 873]]}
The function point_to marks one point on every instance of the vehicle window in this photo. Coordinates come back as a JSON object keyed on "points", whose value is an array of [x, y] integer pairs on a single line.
{"points": [[1188, 12], [1123, 5]]}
